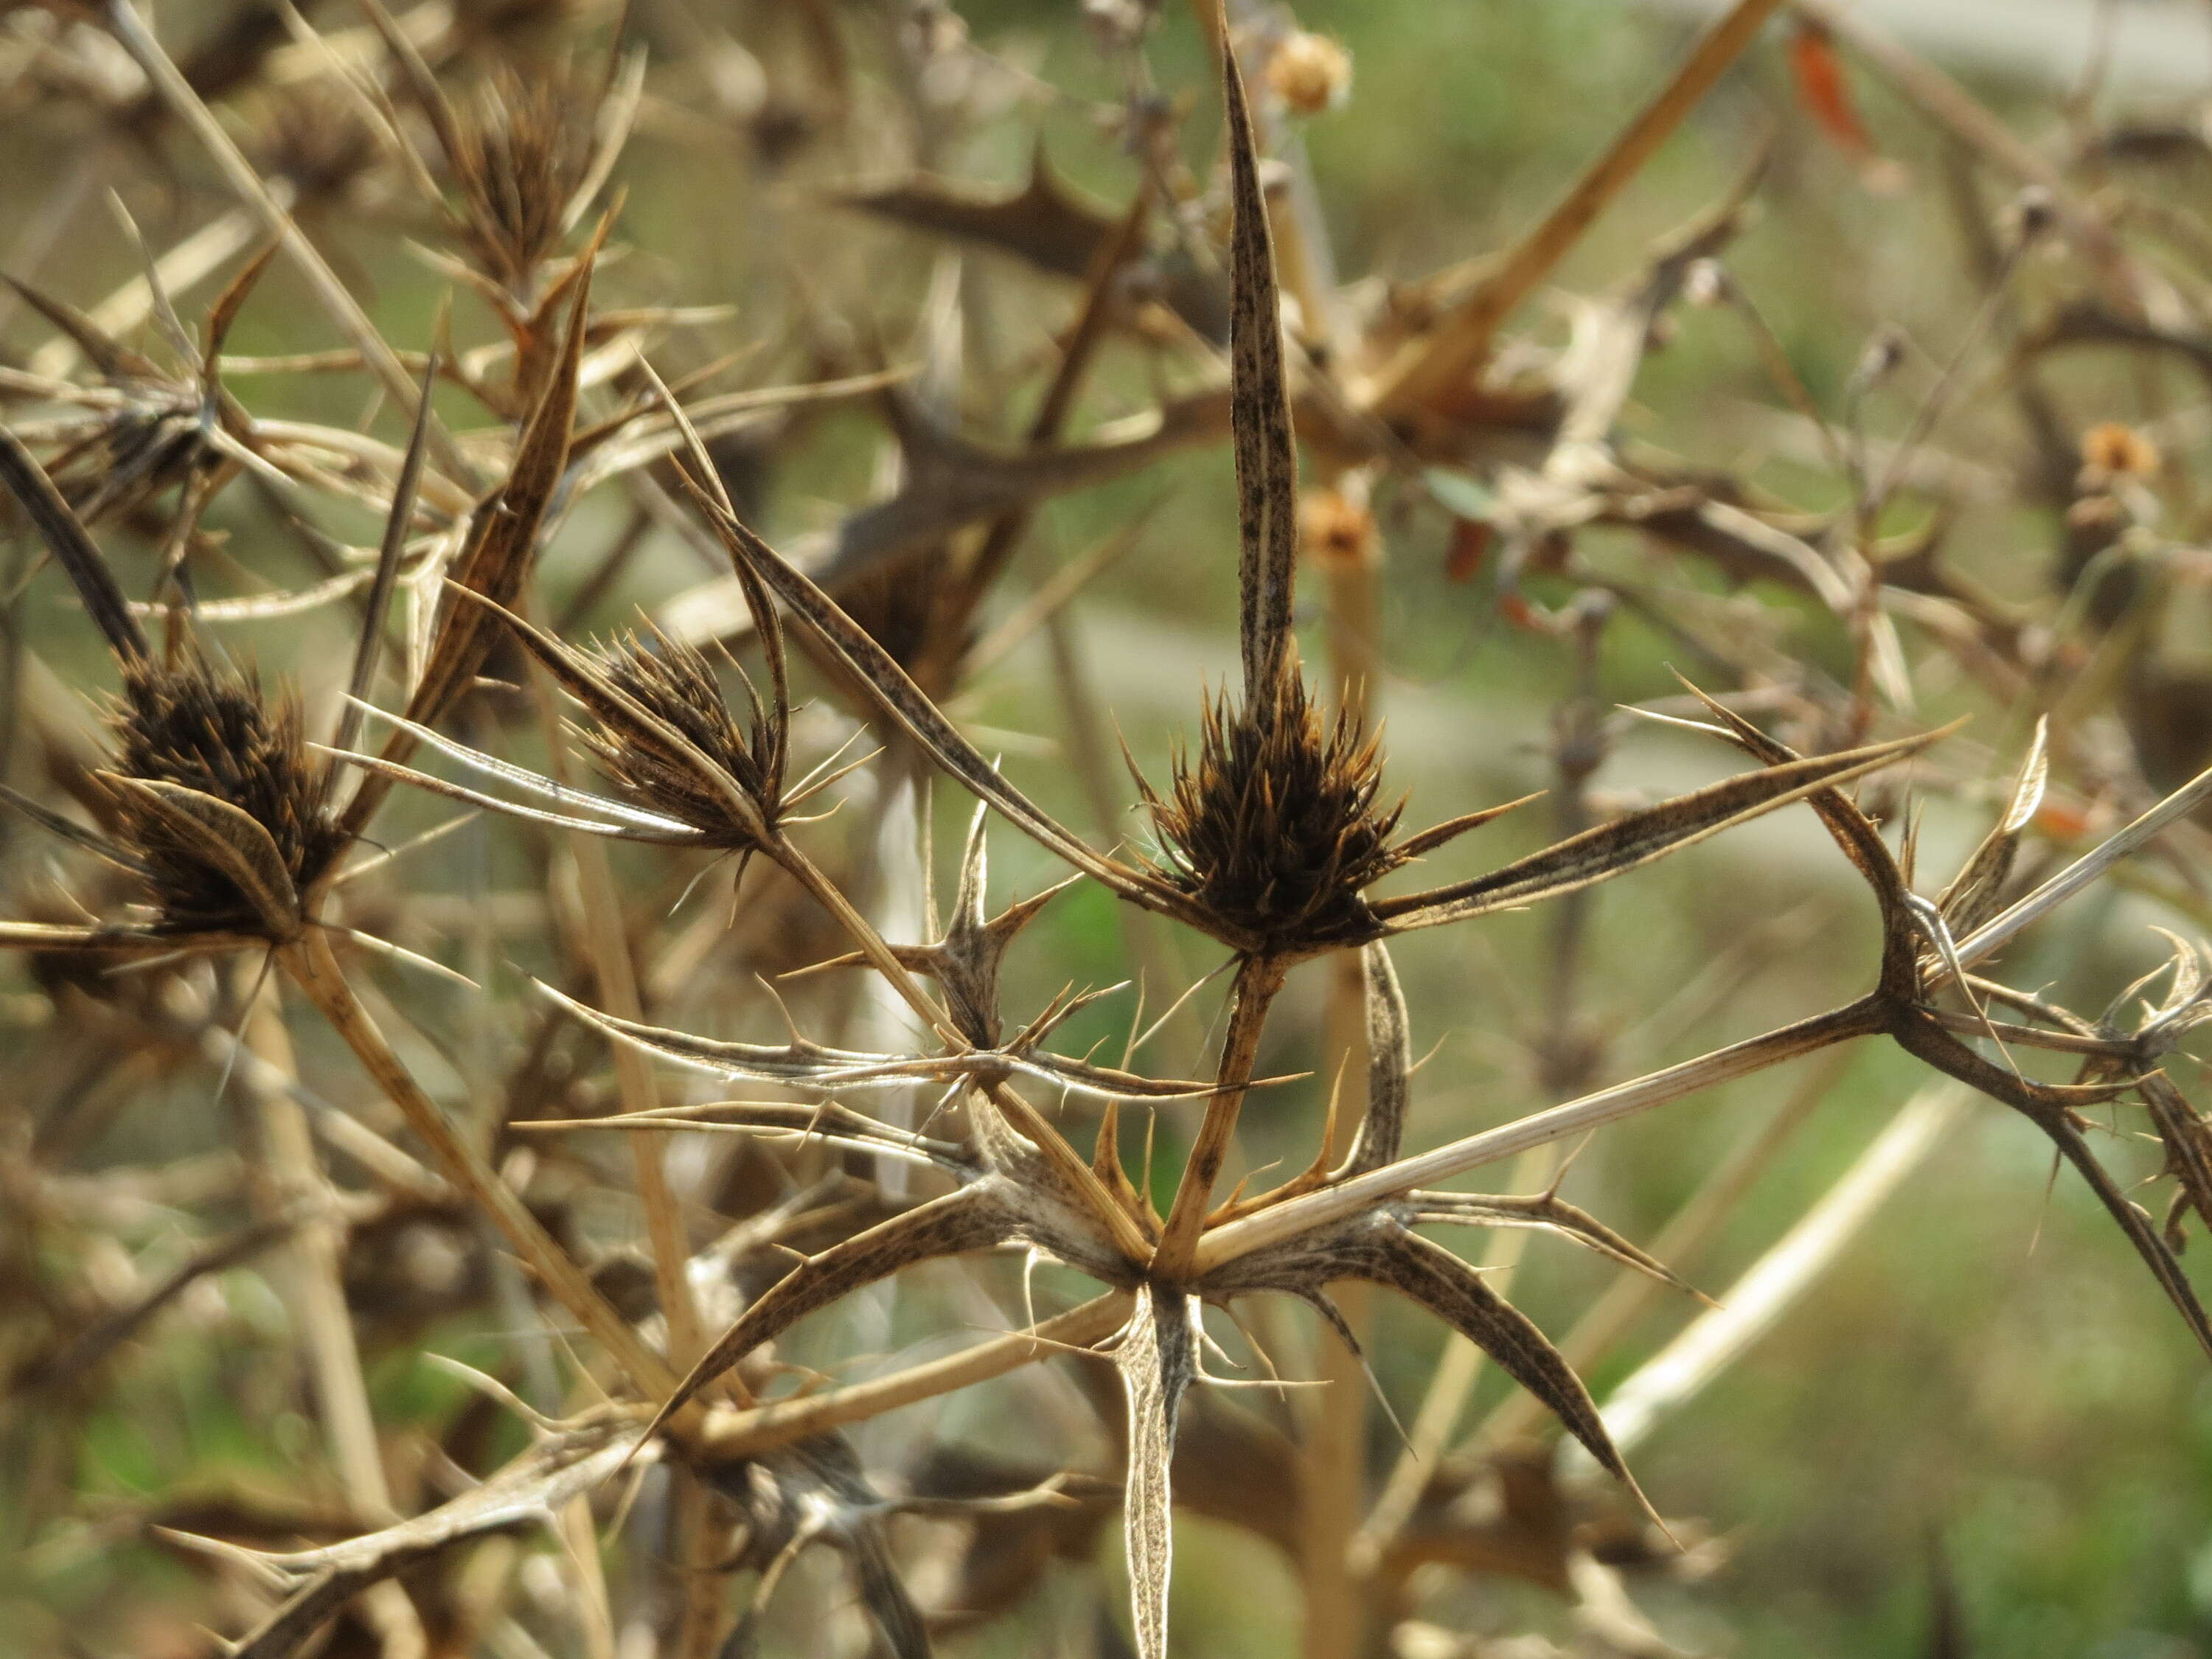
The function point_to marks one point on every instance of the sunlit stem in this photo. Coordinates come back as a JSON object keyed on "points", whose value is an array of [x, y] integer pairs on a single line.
{"points": [[1300, 1215], [729, 1433], [1258, 979]]}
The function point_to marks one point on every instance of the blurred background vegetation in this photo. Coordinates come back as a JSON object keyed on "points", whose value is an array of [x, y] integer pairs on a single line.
{"points": [[1979, 1433]]}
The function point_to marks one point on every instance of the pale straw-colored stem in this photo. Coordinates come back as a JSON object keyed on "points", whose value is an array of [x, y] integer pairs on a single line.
{"points": [[1462, 342], [1333, 1441], [188, 263], [314, 1286], [1709, 1343], [1451, 1385], [606, 945], [169, 84], [1295, 1216], [2083, 872], [734, 1433]]}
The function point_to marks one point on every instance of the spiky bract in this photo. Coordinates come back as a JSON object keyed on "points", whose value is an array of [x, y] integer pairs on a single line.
{"points": [[676, 684], [208, 727], [1279, 824]]}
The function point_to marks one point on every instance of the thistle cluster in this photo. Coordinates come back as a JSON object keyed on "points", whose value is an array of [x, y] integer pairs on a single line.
{"points": [[933, 1101]]}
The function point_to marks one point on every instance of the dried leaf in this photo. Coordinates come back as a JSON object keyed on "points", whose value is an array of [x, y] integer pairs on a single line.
{"points": [[396, 523], [898, 695], [2048, 1107], [567, 1464], [1390, 1067], [2187, 1138], [1977, 892], [114, 360], [224, 311], [1548, 1211], [502, 540], [1378, 1246]]}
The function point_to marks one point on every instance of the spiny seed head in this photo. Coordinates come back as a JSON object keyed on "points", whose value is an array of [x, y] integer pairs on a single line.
{"points": [[209, 728], [675, 684], [1278, 826], [521, 152]]}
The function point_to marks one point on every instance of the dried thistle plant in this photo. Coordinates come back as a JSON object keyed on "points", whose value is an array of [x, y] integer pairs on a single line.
{"points": [[221, 857], [216, 798]]}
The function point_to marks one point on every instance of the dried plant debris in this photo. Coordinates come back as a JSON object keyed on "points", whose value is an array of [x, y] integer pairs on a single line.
{"points": [[215, 793], [726, 1140]]}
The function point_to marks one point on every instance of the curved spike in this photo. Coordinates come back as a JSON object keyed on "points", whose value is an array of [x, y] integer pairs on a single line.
{"points": [[969, 1219]]}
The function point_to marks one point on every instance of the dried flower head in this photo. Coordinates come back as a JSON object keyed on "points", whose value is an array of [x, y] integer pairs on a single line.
{"points": [[519, 156], [1280, 823], [142, 429], [216, 796], [675, 684], [308, 134]]}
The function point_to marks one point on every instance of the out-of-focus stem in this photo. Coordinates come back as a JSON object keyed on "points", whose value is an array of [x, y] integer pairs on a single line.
{"points": [[1565, 1061], [131, 32], [316, 971], [1711, 1343], [1460, 346], [316, 1287], [1450, 1386], [1148, 935], [607, 946], [1333, 1448], [706, 1588]]}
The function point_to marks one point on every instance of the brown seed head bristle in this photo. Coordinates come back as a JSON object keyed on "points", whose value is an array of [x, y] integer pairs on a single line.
{"points": [[676, 683], [522, 153], [209, 728], [1278, 826]]}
